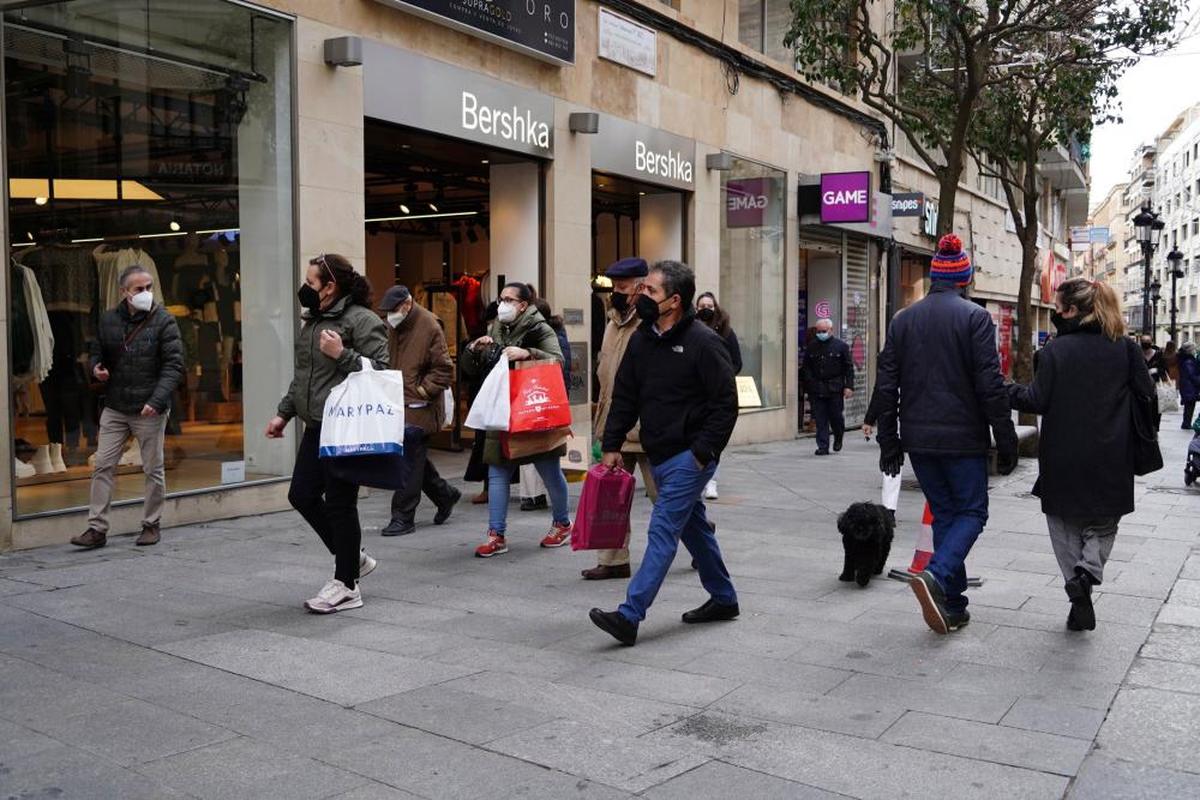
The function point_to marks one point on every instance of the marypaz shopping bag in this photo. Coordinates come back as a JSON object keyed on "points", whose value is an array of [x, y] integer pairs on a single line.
{"points": [[490, 410], [602, 518], [538, 398], [364, 414]]}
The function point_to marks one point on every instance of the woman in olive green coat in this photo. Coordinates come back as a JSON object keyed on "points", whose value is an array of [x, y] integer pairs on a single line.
{"points": [[524, 334], [337, 331]]}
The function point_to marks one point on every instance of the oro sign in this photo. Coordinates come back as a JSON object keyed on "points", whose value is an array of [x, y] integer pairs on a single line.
{"points": [[845, 197]]}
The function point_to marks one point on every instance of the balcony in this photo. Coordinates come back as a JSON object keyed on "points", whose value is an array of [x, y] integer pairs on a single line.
{"points": [[1064, 168]]}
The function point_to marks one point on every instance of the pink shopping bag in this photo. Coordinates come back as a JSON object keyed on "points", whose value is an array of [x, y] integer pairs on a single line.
{"points": [[602, 518]]}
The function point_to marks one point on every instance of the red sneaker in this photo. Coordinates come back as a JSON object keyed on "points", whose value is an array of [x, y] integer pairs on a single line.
{"points": [[557, 536], [494, 546]]}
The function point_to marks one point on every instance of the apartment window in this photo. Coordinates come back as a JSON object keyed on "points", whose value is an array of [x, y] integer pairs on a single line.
{"points": [[762, 25], [1195, 226]]}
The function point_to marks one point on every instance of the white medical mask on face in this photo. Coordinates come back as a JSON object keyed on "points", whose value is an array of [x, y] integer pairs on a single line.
{"points": [[394, 318], [142, 301], [507, 313]]}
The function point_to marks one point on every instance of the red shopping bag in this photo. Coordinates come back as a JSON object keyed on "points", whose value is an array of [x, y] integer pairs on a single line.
{"points": [[602, 518], [537, 397]]}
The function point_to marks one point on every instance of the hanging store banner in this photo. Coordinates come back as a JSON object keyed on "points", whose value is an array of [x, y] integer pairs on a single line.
{"points": [[402, 87], [845, 197], [544, 29]]}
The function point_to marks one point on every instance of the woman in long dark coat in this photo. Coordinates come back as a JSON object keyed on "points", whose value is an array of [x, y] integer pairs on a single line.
{"points": [[1083, 389]]}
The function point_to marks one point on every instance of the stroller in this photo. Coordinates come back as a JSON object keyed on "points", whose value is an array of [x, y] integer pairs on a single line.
{"points": [[1191, 470]]}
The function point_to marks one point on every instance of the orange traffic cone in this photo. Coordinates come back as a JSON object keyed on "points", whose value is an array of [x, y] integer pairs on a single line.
{"points": [[924, 549]]}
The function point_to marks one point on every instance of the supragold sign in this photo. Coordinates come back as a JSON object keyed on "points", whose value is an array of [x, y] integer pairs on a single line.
{"points": [[544, 29], [407, 89]]}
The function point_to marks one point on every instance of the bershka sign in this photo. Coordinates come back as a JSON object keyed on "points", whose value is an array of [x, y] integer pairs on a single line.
{"points": [[513, 124], [647, 154], [845, 197], [407, 89], [544, 29], [748, 201]]}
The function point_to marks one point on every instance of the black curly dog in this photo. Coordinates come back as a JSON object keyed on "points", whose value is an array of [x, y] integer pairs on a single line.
{"points": [[867, 530]]}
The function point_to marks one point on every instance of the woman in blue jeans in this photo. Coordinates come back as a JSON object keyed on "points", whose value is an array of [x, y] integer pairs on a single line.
{"points": [[522, 333]]}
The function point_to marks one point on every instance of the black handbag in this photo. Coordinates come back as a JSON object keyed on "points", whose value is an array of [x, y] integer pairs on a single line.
{"points": [[377, 470], [1143, 410]]}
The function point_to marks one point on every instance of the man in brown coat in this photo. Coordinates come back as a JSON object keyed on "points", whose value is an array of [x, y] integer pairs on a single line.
{"points": [[417, 347], [626, 276]]}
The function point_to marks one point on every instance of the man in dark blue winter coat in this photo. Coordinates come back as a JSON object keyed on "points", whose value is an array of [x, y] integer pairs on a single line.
{"points": [[939, 377], [829, 382]]}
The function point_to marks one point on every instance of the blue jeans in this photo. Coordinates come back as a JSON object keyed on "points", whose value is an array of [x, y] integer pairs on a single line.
{"points": [[957, 491], [678, 515], [827, 413], [500, 478]]}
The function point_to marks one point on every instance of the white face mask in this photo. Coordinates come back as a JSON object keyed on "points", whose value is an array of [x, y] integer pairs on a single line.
{"points": [[142, 301], [394, 318], [507, 312]]}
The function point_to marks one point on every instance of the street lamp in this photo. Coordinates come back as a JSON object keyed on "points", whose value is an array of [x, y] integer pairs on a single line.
{"points": [[1155, 296], [1148, 227], [1174, 258]]}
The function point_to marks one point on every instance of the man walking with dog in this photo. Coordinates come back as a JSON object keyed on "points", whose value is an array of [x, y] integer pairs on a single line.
{"points": [[939, 376], [677, 378]]}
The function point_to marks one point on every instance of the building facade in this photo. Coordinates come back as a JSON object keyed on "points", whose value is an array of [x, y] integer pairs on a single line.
{"points": [[1176, 197], [449, 146]]}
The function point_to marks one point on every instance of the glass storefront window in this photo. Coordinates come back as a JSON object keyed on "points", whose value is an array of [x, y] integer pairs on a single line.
{"points": [[753, 271], [155, 134]]}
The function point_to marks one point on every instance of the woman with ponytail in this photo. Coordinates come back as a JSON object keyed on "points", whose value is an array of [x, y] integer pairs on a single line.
{"points": [[337, 330], [1086, 380]]}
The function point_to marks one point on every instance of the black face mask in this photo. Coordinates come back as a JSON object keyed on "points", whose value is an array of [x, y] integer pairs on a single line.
{"points": [[706, 315], [647, 309], [1057, 319], [1147, 346], [620, 302], [309, 298]]}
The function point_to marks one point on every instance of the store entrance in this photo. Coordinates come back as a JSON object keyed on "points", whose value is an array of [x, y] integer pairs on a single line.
{"points": [[452, 221], [629, 218]]}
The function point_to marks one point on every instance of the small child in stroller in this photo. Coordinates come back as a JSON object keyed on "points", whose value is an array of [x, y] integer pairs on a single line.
{"points": [[1191, 470]]}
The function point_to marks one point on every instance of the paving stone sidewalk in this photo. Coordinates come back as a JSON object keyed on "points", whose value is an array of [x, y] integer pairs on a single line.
{"points": [[190, 670]]}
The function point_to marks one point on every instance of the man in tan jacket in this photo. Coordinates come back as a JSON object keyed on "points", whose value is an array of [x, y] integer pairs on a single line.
{"points": [[626, 276], [417, 347]]}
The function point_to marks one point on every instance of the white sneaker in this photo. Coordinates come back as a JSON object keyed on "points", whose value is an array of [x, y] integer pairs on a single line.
{"points": [[366, 564], [335, 597], [710, 491], [41, 462], [23, 470], [132, 457], [56, 458]]}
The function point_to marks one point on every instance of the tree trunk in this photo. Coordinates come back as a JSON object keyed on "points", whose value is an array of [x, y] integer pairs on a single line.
{"points": [[1026, 314], [947, 196]]}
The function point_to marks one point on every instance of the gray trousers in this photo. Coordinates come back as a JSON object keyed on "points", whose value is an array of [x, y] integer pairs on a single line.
{"points": [[1083, 542], [115, 429]]}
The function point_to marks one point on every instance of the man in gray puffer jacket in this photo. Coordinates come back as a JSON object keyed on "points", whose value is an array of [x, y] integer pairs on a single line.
{"points": [[138, 356]]}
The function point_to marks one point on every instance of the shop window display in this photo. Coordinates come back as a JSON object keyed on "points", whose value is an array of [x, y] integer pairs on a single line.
{"points": [[155, 135], [753, 285]]}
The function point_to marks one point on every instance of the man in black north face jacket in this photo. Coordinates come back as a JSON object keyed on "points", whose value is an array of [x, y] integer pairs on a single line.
{"points": [[939, 375], [138, 356]]}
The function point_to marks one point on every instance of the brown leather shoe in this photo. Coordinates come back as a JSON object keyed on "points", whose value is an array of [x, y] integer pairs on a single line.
{"points": [[90, 539], [150, 535], [604, 572], [480, 499]]}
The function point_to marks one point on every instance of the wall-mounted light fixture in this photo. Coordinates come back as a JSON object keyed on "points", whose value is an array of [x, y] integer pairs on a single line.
{"points": [[583, 122], [344, 51], [719, 162]]}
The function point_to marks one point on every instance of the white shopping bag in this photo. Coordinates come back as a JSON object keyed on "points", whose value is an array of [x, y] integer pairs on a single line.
{"points": [[447, 409], [364, 414], [891, 491], [490, 410], [1168, 398]]}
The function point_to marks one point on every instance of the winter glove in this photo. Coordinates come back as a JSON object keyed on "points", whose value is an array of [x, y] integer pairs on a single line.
{"points": [[891, 458], [1006, 456]]}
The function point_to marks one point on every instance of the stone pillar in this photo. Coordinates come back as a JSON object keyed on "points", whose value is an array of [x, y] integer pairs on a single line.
{"points": [[6, 440]]}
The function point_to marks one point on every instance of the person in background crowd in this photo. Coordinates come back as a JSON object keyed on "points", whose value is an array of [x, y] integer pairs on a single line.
{"points": [[338, 329], [476, 470], [626, 276], [1085, 452], [939, 380], [417, 347], [1189, 382], [1156, 363], [676, 378], [533, 491], [829, 381], [138, 356], [1171, 360], [711, 314], [523, 334]]}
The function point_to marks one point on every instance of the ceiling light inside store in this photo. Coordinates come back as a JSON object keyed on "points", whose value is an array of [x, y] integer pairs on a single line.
{"points": [[30, 235], [433, 207], [404, 208], [174, 225], [484, 161], [41, 201]]}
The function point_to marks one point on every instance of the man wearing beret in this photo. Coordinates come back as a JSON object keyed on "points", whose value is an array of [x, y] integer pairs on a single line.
{"points": [[417, 347], [626, 276]]}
